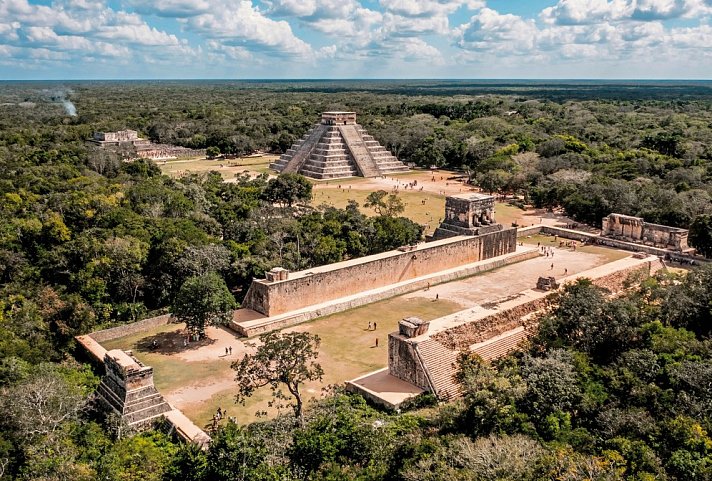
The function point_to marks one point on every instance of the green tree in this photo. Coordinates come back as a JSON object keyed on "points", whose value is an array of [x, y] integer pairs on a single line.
{"points": [[700, 236], [288, 189], [204, 301], [212, 152], [287, 359], [384, 203]]}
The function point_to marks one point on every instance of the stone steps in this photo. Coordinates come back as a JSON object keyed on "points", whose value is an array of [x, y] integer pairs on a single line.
{"points": [[501, 345], [337, 151], [441, 365]]}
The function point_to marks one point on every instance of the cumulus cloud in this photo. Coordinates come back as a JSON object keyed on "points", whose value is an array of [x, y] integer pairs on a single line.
{"points": [[580, 12], [490, 30], [244, 25], [77, 29]]}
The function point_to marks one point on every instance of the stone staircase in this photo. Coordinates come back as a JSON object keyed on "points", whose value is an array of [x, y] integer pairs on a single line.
{"points": [[331, 151], [296, 156], [440, 364], [385, 161], [500, 346], [359, 151], [139, 407], [330, 159]]}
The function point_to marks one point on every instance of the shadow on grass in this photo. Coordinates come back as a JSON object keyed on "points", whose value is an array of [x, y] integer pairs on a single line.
{"points": [[170, 343]]}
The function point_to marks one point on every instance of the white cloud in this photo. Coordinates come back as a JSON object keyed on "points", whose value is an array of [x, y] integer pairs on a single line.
{"points": [[491, 31], [426, 8], [244, 25]]}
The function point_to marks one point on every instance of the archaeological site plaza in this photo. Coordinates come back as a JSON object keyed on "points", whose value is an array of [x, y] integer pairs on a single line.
{"points": [[498, 276], [338, 147]]}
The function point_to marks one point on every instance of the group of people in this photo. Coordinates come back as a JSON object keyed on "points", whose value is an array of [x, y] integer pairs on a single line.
{"points": [[221, 414]]}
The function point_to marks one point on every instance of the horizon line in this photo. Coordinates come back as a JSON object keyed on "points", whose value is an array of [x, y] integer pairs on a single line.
{"points": [[326, 79]]}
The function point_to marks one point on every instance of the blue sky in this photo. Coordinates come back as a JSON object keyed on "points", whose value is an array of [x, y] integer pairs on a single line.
{"points": [[106, 39]]}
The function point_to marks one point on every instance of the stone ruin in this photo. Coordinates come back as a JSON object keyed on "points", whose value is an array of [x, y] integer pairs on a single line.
{"points": [[131, 146], [467, 214], [127, 389], [338, 147], [635, 229], [547, 283], [412, 327]]}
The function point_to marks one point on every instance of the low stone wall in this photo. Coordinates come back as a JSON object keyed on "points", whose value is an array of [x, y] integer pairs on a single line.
{"points": [[343, 279], [132, 328]]}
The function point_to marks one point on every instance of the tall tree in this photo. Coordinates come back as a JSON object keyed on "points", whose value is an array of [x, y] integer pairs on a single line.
{"points": [[288, 189], [204, 301], [287, 359], [700, 236]]}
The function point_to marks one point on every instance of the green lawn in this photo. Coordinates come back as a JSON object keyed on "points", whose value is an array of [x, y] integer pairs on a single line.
{"points": [[609, 253]]}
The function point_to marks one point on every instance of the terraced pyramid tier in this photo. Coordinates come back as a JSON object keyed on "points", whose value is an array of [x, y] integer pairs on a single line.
{"points": [[338, 147]]}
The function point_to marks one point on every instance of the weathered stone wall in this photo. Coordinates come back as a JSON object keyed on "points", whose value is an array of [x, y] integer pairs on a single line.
{"points": [[635, 229], [403, 361], [253, 328], [132, 328], [349, 278], [465, 335]]}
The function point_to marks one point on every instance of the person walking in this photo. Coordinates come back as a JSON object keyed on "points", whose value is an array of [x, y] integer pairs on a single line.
{"points": [[369, 325]]}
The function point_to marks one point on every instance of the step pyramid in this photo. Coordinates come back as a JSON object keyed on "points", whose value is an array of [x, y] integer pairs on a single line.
{"points": [[338, 147]]}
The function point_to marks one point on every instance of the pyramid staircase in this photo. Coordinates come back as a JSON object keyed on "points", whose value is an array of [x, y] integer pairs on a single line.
{"points": [[337, 148]]}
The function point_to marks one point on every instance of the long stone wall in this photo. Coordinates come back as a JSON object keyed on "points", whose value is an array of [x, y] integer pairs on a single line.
{"points": [[465, 335], [258, 326], [343, 279], [132, 328]]}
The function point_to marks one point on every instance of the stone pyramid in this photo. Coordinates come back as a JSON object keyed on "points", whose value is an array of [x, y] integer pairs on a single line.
{"points": [[338, 147], [127, 388]]}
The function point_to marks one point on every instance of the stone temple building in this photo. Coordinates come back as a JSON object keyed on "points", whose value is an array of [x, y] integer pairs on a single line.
{"points": [[131, 146], [634, 229], [127, 389], [338, 147], [467, 214]]}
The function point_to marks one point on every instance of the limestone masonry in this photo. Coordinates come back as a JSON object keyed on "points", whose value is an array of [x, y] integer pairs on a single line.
{"points": [[467, 214], [338, 147], [634, 229], [282, 292], [131, 146], [127, 388], [425, 354]]}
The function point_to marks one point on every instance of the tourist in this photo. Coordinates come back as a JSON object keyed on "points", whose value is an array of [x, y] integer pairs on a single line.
{"points": [[375, 326], [226, 351], [376, 342], [437, 296], [369, 325], [566, 271], [231, 350], [552, 266]]}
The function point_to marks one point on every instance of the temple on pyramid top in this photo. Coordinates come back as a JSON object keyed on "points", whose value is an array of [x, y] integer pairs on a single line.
{"points": [[338, 147]]}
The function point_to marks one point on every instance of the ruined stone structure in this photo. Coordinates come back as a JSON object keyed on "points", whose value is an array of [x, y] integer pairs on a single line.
{"points": [[130, 146], [425, 354], [634, 229], [338, 147], [467, 214], [283, 292], [127, 388], [115, 137], [547, 283]]}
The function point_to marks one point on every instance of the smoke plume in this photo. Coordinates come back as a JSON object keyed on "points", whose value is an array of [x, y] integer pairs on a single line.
{"points": [[62, 97]]}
